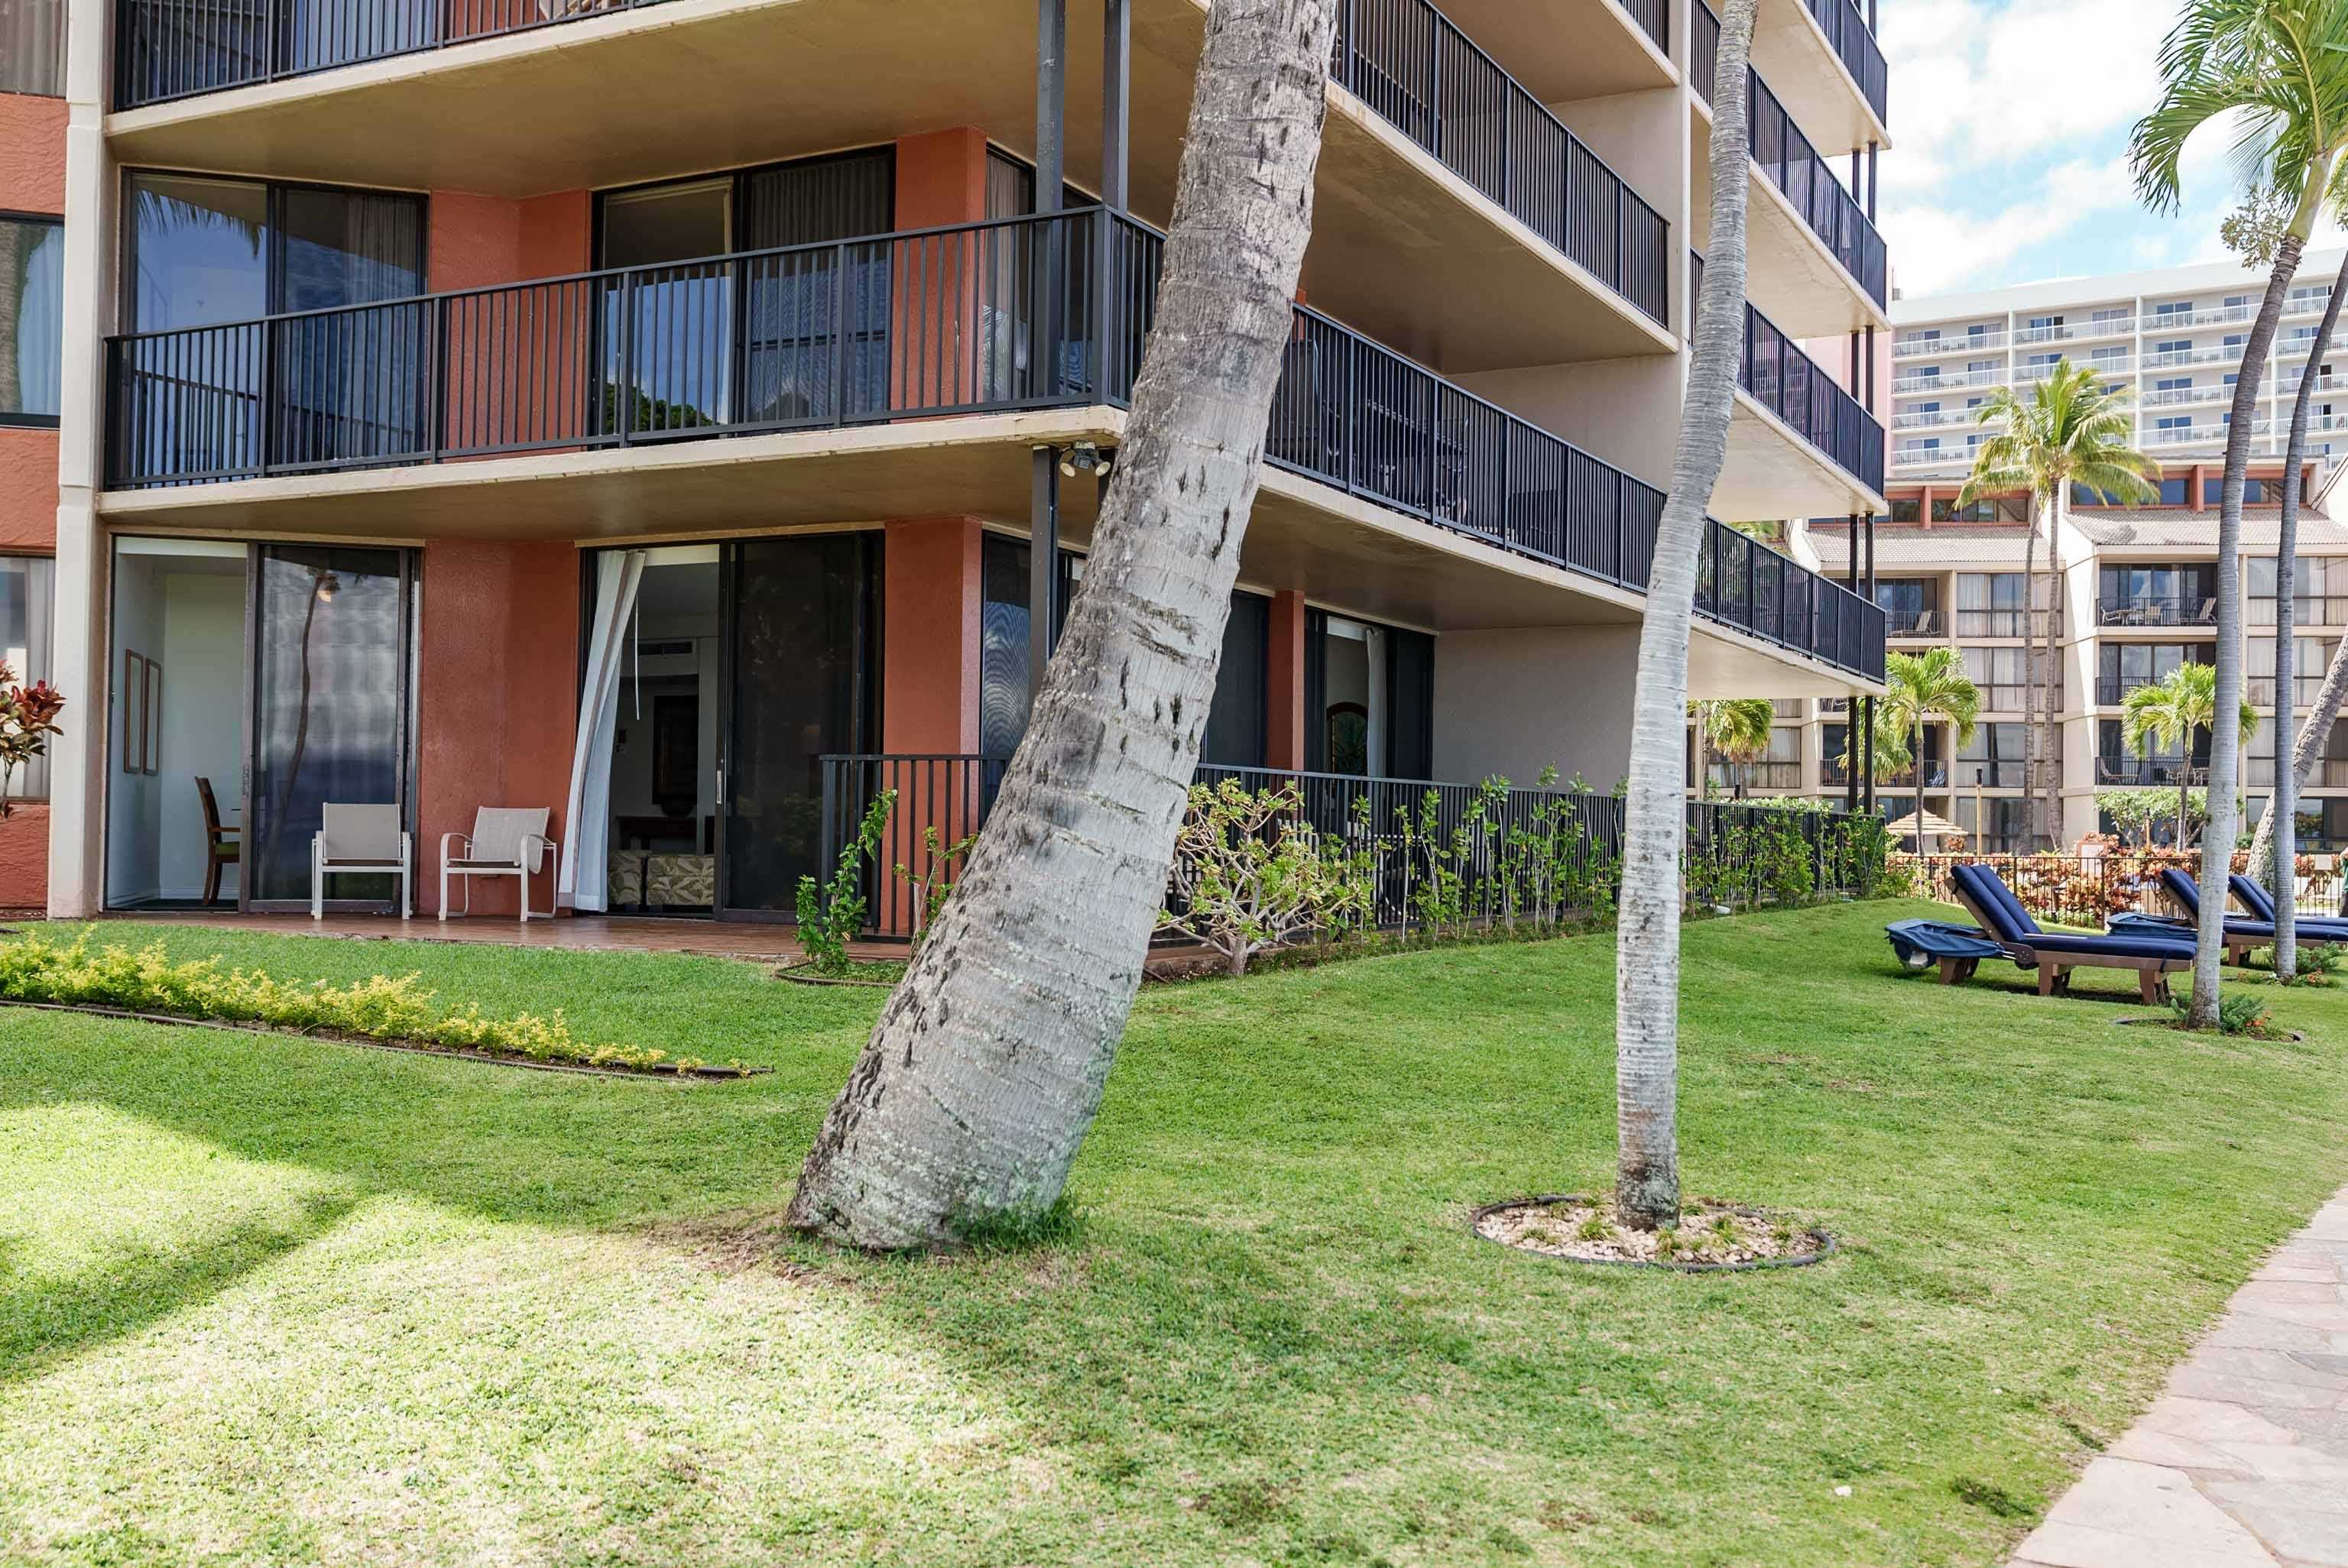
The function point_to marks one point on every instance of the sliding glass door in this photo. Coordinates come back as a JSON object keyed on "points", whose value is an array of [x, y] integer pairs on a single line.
{"points": [[800, 625], [328, 690]]}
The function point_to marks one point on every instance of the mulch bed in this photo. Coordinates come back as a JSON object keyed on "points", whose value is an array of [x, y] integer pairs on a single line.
{"points": [[1559, 1225], [415, 1047]]}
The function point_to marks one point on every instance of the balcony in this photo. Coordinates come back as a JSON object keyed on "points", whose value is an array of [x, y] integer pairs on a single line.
{"points": [[879, 338], [2009, 623], [2215, 354], [2181, 396], [1940, 347], [1932, 457], [1958, 383], [1444, 183], [1915, 623], [1847, 33], [1833, 217], [2151, 772], [2197, 434], [1942, 419], [2076, 331], [2133, 614], [1777, 375]]}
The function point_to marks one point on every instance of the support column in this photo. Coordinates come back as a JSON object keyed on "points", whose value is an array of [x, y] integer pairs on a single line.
{"points": [[1853, 712], [1051, 102], [78, 757], [1117, 95], [1042, 568], [1285, 684]]}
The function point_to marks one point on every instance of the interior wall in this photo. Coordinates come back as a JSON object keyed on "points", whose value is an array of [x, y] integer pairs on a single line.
{"points": [[1513, 702], [203, 721], [1624, 410], [631, 750]]}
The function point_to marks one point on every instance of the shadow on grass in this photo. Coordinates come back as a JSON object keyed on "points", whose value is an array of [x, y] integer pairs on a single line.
{"points": [[44, 1321]]}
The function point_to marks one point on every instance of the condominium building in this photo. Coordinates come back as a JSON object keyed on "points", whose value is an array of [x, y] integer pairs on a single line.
{"points": [[430, 438], [2133, 592]]}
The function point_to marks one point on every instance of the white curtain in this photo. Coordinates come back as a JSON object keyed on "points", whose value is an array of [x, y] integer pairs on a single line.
{"points": [[1374, 641], [587, 839]]}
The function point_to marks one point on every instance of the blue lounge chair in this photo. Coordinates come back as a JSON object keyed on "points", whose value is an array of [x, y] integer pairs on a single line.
{"points": [[2254, 930], [2306, 928], [1957, 949], [2054, 954]]}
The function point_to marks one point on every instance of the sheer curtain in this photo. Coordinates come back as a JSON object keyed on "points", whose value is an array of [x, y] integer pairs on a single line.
{"points": [[33, 48], [585, 878], [32, 277]]}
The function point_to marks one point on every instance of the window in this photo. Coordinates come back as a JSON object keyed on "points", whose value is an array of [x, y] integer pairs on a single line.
{"points": [[2176, 492], [1993, 759], [28, 587], [2174, 308], [2046, 358], [2108, 352], [1998, 672], [1904, 511], [1989, 603], [1930, 373], [2234, 340], [1930, 334], [1977, 330], [2179, 422], [1369, 698], [2110, 315], [2182, 345], [32, 304], [2174, 384], [2039, 323], [1980, 366], [2254, 492], [1933, 407], [33, 48], [203, 251]]}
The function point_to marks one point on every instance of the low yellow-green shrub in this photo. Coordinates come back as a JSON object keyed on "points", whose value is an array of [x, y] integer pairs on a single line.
{"points": [[35, 967]]}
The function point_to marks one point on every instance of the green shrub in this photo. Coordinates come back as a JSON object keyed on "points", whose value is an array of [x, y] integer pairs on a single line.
{"points": [[36, 968], [2237, 1013], [831, 914]]}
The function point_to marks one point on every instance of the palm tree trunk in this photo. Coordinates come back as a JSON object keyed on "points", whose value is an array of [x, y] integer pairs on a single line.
{"points": [[985, 1069], [2049, 709], [2031, 738], [2277, 830], [2225, 730], [1647, 947], [1919, 786]]}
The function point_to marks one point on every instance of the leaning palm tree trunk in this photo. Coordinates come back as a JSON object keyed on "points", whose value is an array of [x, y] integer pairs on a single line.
{"points": [[2032, 739], [2225, 735], [986, 1067], [1647, 950], [2277, 830]]}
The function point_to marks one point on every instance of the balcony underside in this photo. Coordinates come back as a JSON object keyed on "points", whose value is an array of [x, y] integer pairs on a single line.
{"points": [[1340, 550], [1402, 247], [1794, 57], [1773, 473], [1792, 278], [1568, 50]]}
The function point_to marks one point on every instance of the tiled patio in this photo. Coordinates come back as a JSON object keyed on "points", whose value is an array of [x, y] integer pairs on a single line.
{"points": [[584, 933], [2243, 1460]]}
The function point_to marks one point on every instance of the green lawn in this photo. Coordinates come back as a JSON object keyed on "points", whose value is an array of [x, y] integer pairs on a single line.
{"points": [[264, 1300]]}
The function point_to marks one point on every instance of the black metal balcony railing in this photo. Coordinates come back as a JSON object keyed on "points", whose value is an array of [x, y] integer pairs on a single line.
{"points": [[1407, 61], [1778, 145], [2188, 610], [1028, 313], [1653, 16], [1402, 57], [1854, 44], [1797, 390], [1914, 623], [2163, 772]]}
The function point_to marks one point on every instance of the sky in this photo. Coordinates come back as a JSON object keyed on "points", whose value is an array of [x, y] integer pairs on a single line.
{"points": [[2010, 123]]}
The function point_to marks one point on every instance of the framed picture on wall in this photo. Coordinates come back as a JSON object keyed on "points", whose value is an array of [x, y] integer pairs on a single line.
{"points": [[134, 712], [152, 755]]}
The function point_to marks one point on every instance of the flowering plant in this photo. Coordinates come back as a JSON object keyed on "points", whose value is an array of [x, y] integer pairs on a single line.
{"points": [[28, 717]]}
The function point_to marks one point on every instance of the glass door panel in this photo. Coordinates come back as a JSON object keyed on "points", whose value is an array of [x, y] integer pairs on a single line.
{"points": [[330, 651], [799, 684]]}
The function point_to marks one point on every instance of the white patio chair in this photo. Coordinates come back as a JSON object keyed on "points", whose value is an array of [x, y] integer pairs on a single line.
{"points": [[358, 840], [506, 841]]}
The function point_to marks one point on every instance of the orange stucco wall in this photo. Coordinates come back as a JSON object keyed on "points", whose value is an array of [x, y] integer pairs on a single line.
{"points": [[28, 491], [32, 154], [496, 697], [25, 859], [935, 348], [518, 368], [1283, 744], [931, 608]]}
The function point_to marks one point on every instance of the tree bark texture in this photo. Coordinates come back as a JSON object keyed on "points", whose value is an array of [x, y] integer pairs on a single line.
{"points": [[986, 1068], [1647, 948]]}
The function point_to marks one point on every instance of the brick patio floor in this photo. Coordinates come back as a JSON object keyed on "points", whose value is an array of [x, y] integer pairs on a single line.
{"points": [[2243, 1460]]}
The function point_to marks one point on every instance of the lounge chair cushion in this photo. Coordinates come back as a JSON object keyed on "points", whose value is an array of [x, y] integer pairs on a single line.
{"points": [[1917, 943], [2111, 944], [2009, 921], [2305, 928]]}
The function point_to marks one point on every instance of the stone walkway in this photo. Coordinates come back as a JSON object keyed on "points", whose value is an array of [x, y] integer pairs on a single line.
{"points": [[2243, 1460]]}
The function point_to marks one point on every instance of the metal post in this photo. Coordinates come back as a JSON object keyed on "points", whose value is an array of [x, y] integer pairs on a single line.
{"points": [[1116, 93], [1870, 701], [1850, 742], [1043, 569], [1051, 102], [1871, 176]]}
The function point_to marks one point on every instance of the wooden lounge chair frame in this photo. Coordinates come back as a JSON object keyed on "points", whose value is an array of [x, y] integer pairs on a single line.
{"points": [[2238, 946], [2055, 968]]}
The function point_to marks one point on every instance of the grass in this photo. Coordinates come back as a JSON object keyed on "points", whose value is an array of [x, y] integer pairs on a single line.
{"points": [[268, 1300]]}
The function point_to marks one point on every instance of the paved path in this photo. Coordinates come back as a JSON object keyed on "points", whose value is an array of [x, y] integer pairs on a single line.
{"points": [[2243, 1460]]}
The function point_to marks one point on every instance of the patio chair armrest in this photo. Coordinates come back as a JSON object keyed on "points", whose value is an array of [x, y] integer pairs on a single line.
{"points": [[537, 849], [465, 839]]}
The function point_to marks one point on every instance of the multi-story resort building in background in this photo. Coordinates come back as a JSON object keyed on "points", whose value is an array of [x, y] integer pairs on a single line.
{"points": [[2137, 582], [427, 440]]}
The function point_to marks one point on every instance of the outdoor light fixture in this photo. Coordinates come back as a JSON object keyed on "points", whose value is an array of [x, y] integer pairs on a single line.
{"points": [[1085, 457], [328, 586]]}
